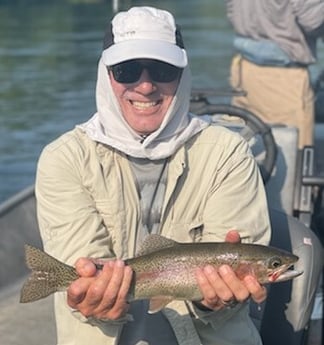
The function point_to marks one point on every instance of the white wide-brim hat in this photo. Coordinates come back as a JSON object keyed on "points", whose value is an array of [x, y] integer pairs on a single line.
{"points": [[144, 33]]}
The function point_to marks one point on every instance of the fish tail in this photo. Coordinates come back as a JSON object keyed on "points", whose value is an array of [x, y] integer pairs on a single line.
{"points": [[36, 287], [48, 275]]}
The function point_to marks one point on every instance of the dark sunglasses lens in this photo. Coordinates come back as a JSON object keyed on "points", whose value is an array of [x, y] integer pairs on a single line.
{"points": [[127, 72], [163, 72], [130, 71]]}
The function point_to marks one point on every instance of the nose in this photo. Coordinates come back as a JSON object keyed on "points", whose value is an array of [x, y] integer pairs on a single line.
{"points": [[145, 84]]}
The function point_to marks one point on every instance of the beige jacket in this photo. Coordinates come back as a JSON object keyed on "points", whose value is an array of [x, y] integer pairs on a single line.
{"points": [[88, 205]]}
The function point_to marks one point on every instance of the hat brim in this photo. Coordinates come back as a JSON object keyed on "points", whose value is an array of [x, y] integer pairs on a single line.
{"points": [[145, 49]]}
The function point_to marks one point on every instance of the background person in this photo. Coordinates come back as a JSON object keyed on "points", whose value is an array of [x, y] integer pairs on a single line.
{"points": [[143, 164], [276, 42]]}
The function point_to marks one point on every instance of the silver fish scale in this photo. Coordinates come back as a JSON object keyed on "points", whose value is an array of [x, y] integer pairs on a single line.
{"points": [[173, 274]]}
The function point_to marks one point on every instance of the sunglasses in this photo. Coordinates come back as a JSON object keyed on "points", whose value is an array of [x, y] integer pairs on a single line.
{"points": [[130, 71]]}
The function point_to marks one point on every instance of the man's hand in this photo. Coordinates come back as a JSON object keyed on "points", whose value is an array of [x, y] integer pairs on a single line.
{"points": [[222, 288], [101, 294]]}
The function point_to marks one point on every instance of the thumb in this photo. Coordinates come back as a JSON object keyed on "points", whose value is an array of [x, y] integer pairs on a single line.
{"points": [[233, 237]]}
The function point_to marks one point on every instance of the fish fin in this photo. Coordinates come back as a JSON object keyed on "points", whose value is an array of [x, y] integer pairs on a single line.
{"points": [[36, 287], [159, 302], [155, 242], [36, 259], [48, 275]]}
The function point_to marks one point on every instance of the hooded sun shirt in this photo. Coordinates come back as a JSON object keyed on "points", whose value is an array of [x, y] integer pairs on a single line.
{"points": [[108, 125]]}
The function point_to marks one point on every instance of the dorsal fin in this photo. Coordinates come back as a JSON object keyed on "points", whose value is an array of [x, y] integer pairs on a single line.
{"points": [[155, 242]]}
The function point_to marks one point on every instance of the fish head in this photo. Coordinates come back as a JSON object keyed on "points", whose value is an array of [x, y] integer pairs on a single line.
{"points": [[280, 268], [268, 265], [274, 265]]}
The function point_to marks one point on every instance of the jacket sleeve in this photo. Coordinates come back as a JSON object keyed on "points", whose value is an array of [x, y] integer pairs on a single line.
{"points": [[237, 199], [310, 15], [67, 216], [70, 224]]}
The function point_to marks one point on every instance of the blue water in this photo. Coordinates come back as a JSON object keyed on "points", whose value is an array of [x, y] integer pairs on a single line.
{"points": [[48, 60]]}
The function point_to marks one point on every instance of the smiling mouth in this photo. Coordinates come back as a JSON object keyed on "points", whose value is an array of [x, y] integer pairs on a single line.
{"points": [[144, 105]]}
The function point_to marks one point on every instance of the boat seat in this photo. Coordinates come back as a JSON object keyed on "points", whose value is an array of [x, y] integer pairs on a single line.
{"points": [[284, 317], [280, 188], [287, 190]]}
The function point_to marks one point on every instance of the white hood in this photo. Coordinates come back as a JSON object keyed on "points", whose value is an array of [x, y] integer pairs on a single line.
{"points": [[108, 126]]}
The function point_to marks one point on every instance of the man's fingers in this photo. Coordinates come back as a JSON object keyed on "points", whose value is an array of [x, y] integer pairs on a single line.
{"points": [[103, 295], [120, 305], [77, 291], [238, 289], [114, 284], [258, 292], [85, 267], [98, 288], [213, 287]]}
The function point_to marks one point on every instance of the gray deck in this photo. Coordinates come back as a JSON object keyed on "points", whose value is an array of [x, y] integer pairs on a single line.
{"points": [[21, 324], [25, 324]]}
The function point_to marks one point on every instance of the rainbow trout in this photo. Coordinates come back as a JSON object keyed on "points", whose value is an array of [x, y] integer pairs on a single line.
{"points": [[164, 270]]}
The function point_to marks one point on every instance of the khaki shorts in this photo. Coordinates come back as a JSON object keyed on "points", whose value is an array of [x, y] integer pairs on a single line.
{"points": [[278, 95]]}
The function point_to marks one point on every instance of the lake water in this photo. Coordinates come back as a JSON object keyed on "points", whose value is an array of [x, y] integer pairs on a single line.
{"points": [[48, 61]]}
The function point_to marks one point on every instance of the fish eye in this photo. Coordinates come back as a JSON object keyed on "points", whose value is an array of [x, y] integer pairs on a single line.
{"points": [[275, 262]]}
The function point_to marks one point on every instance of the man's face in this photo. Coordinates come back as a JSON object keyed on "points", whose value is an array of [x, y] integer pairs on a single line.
{"points": [[144, 103]]}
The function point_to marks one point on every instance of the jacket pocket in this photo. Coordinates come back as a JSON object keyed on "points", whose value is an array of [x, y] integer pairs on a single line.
{"points": [[190, 231]]}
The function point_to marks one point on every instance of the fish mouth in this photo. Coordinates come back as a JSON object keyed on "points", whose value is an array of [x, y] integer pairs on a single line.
{"points": [[284, 273]]}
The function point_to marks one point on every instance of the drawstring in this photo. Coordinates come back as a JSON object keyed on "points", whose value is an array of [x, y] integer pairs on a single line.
{"points": [[143, 137]]}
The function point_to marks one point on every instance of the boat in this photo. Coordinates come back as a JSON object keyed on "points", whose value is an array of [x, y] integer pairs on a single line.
{"points": [[293, 311]]}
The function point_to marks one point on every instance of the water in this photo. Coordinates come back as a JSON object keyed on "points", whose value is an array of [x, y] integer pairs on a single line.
{"points": [[48, 61]]}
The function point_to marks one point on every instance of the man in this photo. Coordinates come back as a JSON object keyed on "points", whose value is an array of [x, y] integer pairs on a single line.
{"points": [[142, 164], [276, 42]]}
